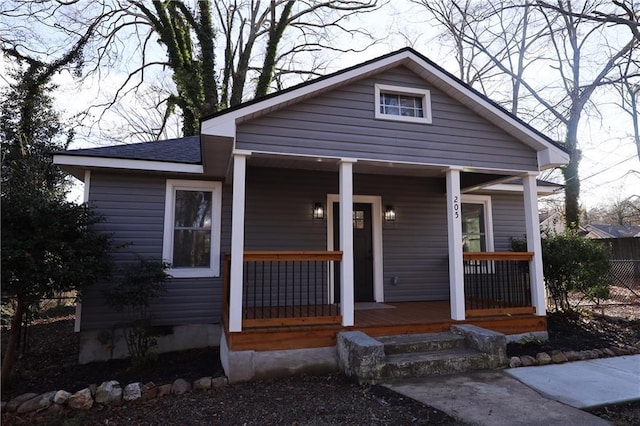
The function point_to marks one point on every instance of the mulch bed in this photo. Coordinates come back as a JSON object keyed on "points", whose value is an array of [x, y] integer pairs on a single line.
{"points": [[580, 331], [50, 364]]}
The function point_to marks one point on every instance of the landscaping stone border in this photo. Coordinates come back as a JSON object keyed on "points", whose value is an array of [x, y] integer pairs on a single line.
{"points": [[108, 393], [560, 357]]}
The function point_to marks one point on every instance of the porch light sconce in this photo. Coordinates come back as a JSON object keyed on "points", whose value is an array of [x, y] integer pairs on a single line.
{"points": [[389, 214], [318, 211]]}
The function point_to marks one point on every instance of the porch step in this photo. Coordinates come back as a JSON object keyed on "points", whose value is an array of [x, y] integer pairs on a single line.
{"points": [[409, 343], [420, 364]]}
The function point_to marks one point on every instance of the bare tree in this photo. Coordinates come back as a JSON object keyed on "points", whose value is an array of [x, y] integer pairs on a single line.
{"points": [[217, 54], [577, 52]]}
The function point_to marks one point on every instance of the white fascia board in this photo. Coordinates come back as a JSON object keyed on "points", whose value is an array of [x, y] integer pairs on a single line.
{"points": [[555, 153], [128, 164], [505, 187], [549, 158], [224, 125]]}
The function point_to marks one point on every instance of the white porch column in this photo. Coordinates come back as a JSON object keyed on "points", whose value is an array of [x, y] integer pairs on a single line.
{"points": [[237, 241], [533, 243], [454, 232], [346, 242]]}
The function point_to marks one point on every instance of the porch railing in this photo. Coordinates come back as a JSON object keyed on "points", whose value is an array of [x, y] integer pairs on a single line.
{"points": [[497, 283], [282, 288]]}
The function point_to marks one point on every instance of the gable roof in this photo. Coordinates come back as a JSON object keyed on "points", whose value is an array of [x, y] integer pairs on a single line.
{"points": [[550, 153], [614, 231]]}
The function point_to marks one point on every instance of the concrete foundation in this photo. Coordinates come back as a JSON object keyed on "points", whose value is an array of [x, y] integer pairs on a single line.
{"points": [[102, 345], [243, 366]]}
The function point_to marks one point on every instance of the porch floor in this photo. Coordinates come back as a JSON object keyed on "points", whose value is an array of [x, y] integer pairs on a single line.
{"points": [[387, 319]]}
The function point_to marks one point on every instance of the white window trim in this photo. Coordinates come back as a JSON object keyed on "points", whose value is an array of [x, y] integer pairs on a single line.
{"points": [[485, 200], [169, 213], [408, 91]]}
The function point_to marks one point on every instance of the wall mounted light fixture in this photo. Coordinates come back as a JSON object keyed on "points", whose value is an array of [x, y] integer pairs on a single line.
{"points": [[318, 211], [389, 214]]}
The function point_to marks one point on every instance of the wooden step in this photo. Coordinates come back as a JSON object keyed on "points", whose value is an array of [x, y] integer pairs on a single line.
{"points": [[410, 343]]}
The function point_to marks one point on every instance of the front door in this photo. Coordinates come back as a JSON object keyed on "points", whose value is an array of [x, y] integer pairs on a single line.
{"points": [[362, 252]]}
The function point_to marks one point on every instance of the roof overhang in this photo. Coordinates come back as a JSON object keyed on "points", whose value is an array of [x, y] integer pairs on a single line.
{"points": [[549, 155], [76, 164], [216, 155]]}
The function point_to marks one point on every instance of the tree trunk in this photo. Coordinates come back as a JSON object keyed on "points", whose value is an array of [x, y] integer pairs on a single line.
{"points": [[14, 335], [570, 173]]}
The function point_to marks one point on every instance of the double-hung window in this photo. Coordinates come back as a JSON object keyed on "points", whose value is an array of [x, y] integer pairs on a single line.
{"points": [[477, 224], [192, 228], [477, 231], [402, 104]]}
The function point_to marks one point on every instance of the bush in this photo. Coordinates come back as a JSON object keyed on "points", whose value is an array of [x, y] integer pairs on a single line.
{"points": [[574, 264], [141, 283]]}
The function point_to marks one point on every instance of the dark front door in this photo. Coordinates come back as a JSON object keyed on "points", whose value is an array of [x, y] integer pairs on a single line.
{"points": [[362, 252]]}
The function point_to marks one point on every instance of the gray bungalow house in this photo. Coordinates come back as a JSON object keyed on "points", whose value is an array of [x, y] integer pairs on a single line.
{"points": [[381, 198]]}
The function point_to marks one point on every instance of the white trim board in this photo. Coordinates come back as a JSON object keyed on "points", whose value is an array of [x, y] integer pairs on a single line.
{"points": [[376, 229], [121, 163]]}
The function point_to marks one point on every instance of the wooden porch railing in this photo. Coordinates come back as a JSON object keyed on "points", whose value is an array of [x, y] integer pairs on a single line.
{"points": [[497, 283], [284, 288]]}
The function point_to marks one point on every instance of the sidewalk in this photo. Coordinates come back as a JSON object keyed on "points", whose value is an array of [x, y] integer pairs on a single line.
{"points": [[585, 384], [508, 397]]}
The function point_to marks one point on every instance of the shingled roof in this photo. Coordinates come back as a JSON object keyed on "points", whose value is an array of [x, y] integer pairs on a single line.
{"points": [[181, 150]]}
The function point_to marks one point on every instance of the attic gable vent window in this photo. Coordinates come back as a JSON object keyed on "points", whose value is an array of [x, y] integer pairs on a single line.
{"points": [[403, 104]]}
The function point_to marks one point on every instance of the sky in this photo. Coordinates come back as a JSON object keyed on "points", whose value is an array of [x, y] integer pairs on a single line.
{"points": [[609, 171]]}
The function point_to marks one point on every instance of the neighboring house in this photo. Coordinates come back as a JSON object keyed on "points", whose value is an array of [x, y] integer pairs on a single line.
{"points": [[373, 199], [552, 223], [598, 231]]}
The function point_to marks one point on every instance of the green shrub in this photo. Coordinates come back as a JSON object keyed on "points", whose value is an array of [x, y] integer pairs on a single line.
{"points": [[141, 283], [574, 264]]}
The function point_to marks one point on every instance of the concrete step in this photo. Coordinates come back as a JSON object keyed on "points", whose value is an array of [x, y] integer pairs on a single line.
{"points": [[410, 343], [421, 364]]}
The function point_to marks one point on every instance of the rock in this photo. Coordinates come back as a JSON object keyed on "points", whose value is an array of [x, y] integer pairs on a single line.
{"points": [[93, 387], [13, 405], [572, 355], [557, 357], [599, 352], [203, 383], [132, 391], [528, 360], [81, 400], [149, 391], [218, 382], [38, 403], [543, 358], [180, 386], [621, 351], [164, 390], [61, 397], [608, 352], [589, 354], [109, 392], [54, 409], [582, 355], [515, 362]]}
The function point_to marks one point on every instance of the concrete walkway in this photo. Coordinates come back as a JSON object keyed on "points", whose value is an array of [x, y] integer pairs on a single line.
{"points": [[585, 384], [491, 398]]}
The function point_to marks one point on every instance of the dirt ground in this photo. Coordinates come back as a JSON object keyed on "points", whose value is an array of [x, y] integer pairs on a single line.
{"points": [[50, 363]]}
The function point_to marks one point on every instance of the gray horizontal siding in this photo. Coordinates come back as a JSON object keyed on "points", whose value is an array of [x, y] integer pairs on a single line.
{"points": [[508, 219], [341, 123], [133, 208]]}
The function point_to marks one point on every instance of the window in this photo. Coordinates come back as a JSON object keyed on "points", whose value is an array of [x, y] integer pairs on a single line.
{"points": [[402, 103], [477, 224], [192, 228]]}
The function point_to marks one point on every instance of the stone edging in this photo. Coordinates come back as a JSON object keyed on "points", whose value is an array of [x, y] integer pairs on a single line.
{"points": [[560, 357], [108, 393]]}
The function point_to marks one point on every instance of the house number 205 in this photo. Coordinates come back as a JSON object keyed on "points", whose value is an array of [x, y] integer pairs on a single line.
{"points": [[456, 207]]}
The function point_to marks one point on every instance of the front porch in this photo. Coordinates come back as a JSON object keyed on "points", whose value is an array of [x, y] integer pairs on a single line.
{"points": [[287, 302]]}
